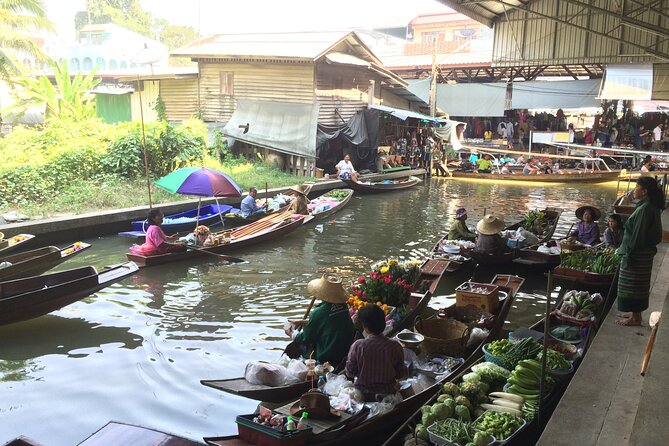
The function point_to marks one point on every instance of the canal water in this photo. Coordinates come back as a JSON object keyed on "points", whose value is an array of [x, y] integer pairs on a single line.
{"points": [[136, 351]]}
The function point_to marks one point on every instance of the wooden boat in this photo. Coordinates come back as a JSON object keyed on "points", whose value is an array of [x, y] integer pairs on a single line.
{"points": [[359, 429], [11, 243], [624, 210], [380, 186], [37, 261], [568, 176], [552, 217], [209, 215], [321, 214], [426, 284], [28, 298], [122, 434], [532, 257], [456, 261], [531, 432], [268, 228]]}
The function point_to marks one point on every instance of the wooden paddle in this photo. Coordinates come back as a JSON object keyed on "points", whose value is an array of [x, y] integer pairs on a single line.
{"points": [[653, 321], [293, 349], [220, 256]]}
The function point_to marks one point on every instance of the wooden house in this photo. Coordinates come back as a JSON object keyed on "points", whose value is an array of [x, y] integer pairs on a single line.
{"points": [[272, 91]]}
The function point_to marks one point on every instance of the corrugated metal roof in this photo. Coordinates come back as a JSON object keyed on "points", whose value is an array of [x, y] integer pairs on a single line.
{"points": [[298, 45], [440, 17], [450, 60], [484, 11]]}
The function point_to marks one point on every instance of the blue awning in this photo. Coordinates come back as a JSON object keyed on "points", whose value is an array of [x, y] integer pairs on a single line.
{"points": [[402, 114]]}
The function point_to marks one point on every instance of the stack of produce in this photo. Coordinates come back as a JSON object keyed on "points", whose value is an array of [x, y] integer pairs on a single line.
{"points": [[527, 348], [554, 360], [500, 425], [524, 381], [580, 304], [460, 433], [603, 262]]}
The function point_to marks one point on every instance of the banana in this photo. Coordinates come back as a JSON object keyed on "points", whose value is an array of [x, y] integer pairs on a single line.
{"points": [[523, 391]]}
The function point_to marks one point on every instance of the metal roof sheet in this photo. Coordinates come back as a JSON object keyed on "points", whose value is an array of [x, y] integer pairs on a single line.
{"points": [[297, 45]]}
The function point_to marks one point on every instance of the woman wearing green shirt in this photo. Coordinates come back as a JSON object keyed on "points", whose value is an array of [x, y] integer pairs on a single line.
{"points": [[643, 231], [459, 230], [329, 331]]}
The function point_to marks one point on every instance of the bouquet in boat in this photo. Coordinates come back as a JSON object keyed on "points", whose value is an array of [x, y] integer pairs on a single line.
{"points": [[387, 285]]}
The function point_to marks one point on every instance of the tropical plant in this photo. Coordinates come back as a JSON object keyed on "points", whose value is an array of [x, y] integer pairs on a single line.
{"points": [[17, 19], [69, 98]]}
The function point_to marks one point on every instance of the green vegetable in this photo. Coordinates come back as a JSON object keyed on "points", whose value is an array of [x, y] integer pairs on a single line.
{"points": [[500, 425], [454, 431], [491, 373], [337, 194], [451, 403], [498, 347], [554, 360], [442, 411], [471, 378], [525, 349], [421, 432], [462, 413], [463, 401], [451, 389], [470, 390], [534, 221], [482, 439], [444, 397]]}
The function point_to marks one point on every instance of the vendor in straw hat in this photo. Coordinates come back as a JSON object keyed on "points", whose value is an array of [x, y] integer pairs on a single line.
{"points": [[329, 331], [587, 231], [298, 204], [459, 230], [375, 362], [488, 240]]}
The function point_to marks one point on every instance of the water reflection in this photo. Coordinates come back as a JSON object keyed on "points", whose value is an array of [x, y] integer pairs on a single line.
{"points": [[142, 345]]}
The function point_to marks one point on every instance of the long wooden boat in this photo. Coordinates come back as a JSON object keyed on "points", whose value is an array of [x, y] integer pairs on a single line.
{"points": [[122, 434], [362, 430], [382, 186], [324, 213], [12, 243], [209, 215], [268, 228], [531, 432], [570, 176], [456, 261], [28, 298], [37, 261], [552, 217], [427, 282], [624, 210]]}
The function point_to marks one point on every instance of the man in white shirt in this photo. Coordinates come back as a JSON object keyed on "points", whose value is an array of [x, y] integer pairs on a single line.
{"points": [[345, 169], [657, 137]]}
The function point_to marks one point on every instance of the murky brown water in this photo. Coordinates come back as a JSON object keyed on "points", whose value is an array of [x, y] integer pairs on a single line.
{"points": [[135, 352]]}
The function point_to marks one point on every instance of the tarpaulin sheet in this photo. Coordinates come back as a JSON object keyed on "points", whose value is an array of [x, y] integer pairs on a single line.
{"points": [[401, 113], [480, 100], [661, 81], [627, 82], [360, 131], [283, 126], [447, 132], [557, 94]]}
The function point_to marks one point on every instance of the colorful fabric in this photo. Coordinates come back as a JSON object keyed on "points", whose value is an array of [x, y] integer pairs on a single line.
{"points": [[155, 237], [329, 332], [378, 363], [344, 166], [586, 233], [643, 232]]}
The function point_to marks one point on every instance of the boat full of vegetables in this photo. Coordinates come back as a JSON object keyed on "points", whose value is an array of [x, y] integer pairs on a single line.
{"points": [[603, 262]]}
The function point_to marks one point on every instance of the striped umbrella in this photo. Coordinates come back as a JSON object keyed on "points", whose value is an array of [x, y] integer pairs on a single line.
{"points": [[200, 181]]}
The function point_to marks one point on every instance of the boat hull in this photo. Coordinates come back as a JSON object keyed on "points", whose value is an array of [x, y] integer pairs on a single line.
{"points": [[36, 261], [375, 188], [565, 177]]}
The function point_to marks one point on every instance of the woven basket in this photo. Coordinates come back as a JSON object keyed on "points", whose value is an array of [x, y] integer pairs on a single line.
{"points": [[470, 315], [489, 357], [443, 336]]}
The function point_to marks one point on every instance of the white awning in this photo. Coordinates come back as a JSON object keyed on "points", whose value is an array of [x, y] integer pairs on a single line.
{"points": [[627, 82], [558, 94], [281, 126], [346, 59], [480, 100]]}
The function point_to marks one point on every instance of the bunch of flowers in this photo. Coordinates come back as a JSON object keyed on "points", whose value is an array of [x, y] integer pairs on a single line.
{"points": [[201, 230], [390, 283]]}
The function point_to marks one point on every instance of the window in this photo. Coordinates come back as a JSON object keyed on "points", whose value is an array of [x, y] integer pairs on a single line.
{"points": [[227, 84], [74, 64], [430, 37], [113, 65], [100, 63], [464, 34], [88, 64]]}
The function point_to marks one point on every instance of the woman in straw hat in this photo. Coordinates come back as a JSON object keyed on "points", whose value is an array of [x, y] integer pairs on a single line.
{"points": [[299, 203], [587, 231], [329, 331], [488, 240], [459, 230]]}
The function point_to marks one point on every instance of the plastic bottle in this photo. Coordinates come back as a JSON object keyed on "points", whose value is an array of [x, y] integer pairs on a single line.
{"points": [[290, 424], [302, 423], [321, 383]]}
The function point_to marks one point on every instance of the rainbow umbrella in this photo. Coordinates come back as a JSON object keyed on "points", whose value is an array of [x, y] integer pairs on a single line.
{"points": [[200, 181]]}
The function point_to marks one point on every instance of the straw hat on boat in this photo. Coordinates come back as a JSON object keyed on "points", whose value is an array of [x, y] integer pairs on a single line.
{"points": [[490, 225], [316, 404], [328, 289], [596, 213], [300, 189]]}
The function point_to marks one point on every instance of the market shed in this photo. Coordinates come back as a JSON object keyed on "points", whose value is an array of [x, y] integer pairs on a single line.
{"points": [[273, 90]]}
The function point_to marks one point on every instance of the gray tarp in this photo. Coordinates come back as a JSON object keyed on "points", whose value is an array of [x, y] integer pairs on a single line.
{"points": [[447, 132], [556, 94], [361, 131], [282, 126]]}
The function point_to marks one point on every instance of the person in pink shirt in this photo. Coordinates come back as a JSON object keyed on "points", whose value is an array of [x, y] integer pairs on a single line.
{"points": [[156, 240]]}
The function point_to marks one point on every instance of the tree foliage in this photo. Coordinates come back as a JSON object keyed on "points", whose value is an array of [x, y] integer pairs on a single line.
{"points": [[19, 18], [69, 98]]}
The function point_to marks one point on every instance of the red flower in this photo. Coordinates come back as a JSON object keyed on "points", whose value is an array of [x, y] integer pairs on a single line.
{"points": [[358, 293], [361, 279], [387, 280]]}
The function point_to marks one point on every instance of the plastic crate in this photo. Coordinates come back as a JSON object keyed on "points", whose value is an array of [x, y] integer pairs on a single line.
{"points": [[441, 441], [262, 435]]}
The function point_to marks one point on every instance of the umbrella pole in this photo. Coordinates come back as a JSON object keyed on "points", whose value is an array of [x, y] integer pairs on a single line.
{"points": [[146, 157], [266, 196], [219, 214], [197, 219]]}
